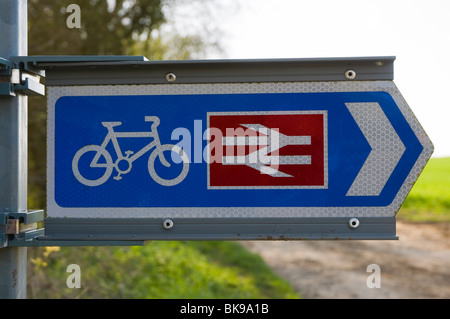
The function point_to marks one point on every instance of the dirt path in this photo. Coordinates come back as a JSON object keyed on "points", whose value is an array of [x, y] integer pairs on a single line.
{"points": [[415, 266]]}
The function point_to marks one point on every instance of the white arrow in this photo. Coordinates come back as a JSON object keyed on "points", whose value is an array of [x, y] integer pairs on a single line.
{"points": [[269, 141], [387, 149]]}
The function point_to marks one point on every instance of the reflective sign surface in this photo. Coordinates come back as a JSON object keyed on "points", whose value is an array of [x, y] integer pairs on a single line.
{"points": [[232, 150]]}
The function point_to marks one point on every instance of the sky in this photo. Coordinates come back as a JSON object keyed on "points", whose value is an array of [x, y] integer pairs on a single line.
{"points": [[417, 33]]}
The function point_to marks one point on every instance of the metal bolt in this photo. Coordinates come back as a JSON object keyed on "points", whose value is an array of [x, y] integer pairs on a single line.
{"points": [[167, 224], [350, 74], [353, 223], [170, 77]]}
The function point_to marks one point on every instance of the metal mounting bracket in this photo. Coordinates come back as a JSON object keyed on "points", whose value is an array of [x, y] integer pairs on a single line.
{"points": [[17, 76], [22, 74], [19, 228]]}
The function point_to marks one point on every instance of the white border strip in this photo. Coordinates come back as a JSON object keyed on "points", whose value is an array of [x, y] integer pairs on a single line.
{"points": [[54, 93]]}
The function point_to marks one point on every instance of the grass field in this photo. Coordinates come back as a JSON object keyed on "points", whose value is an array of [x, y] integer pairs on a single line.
{"points": [[429, 199], [158, 270]]}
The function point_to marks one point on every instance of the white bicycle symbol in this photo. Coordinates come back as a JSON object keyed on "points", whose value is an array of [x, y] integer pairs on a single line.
{"points": [[123, 164]]}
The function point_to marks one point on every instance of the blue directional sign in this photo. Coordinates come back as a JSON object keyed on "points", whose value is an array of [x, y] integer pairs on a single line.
{"points": [[258, 151]]}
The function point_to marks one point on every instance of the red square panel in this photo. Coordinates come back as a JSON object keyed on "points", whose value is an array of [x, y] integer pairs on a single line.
{"points": [[268, 149]]}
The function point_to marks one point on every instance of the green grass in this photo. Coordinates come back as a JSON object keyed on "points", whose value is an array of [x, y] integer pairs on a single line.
{"points": [[429, 199], [158, 270]]}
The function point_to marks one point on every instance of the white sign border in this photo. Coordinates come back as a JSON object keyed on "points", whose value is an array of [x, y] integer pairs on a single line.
{"points": [[56, 211]]}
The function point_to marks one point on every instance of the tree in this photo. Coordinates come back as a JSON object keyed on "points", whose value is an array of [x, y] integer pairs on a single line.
{"points": [[108, 27]]}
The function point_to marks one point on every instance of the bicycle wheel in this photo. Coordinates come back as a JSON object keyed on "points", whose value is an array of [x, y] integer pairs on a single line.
{"points": [[160, 151], [95, 169]]}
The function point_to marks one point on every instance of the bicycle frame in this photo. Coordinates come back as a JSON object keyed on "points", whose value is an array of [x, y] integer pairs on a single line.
{"points": [[130, 157], [113, 137]]}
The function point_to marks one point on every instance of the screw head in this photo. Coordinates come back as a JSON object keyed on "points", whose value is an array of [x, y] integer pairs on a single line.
{"points": [[167, 224], [353, 223], [171, 77], [350, 74]]}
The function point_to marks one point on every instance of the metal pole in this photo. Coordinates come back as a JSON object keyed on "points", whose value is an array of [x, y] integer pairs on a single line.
{"points": [[13, 148]]}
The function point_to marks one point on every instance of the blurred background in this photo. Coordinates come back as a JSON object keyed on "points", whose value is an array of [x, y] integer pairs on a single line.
{"points": [[416, 32]]}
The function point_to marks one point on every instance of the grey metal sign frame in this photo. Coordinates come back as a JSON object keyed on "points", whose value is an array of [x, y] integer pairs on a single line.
{"points": [[100, 72], [73, 72]]}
